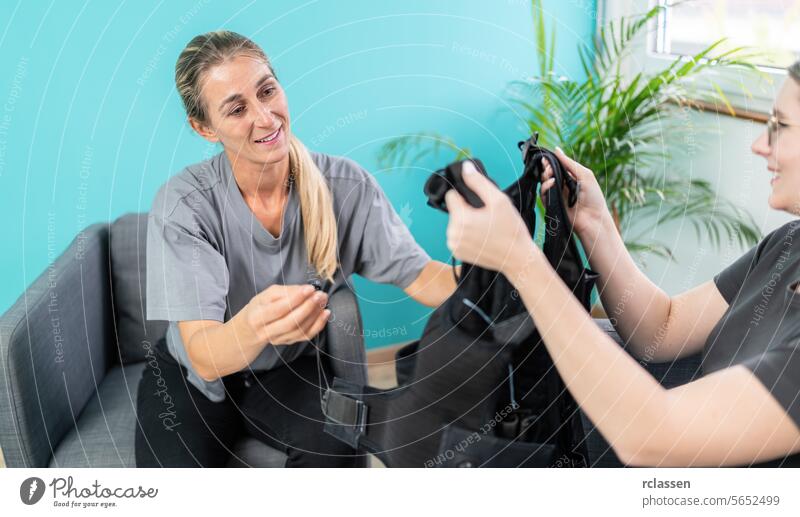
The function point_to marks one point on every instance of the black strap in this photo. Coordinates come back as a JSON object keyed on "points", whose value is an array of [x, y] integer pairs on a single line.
{"points": [[532, 155], [451, 177], [559, 246]]}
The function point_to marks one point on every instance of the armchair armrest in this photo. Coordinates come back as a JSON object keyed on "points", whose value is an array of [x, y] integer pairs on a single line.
{"points": [[53, 350]]}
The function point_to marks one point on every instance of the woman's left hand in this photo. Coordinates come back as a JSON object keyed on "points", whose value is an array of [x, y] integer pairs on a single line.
{"points": [[493, 236]]}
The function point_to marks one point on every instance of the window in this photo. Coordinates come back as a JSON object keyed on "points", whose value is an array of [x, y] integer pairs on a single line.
{"points": [[769, 26]]}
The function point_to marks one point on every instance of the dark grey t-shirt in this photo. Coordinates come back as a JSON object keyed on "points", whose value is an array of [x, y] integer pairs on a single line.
{"points": [[761, 328], [208, 255]]}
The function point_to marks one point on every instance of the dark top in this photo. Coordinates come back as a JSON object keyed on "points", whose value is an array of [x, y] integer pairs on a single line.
{"points": [[761, 328]]}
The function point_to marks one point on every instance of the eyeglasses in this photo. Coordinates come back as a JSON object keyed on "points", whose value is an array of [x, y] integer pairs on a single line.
{"points": [[773, 125]]}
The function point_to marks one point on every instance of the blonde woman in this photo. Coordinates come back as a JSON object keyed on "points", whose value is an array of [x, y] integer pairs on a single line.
{"points": [[745, 408], [233, 243]]}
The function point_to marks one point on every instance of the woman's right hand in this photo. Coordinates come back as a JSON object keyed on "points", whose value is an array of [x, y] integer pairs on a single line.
{"points": [[286, 314], [590, 210]]}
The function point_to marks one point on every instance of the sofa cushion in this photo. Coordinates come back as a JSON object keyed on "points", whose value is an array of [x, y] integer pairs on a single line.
{"points": [[104, 435], [127, 238], [250, 452]]}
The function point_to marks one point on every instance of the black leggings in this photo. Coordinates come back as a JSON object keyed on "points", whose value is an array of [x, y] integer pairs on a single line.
{"points": [[178, 426]]}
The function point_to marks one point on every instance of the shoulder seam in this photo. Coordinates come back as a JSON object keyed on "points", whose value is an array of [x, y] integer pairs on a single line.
{"points": [[368, 178], [195, 190]]}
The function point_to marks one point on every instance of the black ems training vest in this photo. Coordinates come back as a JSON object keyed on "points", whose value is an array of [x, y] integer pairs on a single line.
{"points": [[479, 388]]}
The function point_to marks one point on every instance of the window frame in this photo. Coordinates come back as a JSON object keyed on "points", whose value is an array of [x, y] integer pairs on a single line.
{"points": [[645, 57]]}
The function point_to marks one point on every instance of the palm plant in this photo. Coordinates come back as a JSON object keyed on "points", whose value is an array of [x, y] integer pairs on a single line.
{"points": [[621, 128]]}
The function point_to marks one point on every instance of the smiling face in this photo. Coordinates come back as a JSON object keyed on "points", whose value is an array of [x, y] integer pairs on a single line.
{"points": [[783, 156], [247, 111]]}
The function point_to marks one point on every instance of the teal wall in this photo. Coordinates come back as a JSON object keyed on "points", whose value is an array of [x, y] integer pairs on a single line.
{"points": [[90, 124]]}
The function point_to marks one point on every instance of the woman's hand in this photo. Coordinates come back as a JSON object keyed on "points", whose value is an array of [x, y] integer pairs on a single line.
{"points": [[286, 314], [590, 211], [493, 236]]}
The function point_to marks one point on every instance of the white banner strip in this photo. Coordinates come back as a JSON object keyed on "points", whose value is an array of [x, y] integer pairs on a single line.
{"points": [[400, 492]]}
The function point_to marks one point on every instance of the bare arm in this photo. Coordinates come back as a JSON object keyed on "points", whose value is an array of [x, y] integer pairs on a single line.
{"points": [[434, 284], [656, 327], [280, 315], [217, 349], [726, 418]]}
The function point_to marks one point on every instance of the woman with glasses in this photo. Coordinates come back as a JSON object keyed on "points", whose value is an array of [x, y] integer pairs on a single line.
{"points": [[745, 408]]}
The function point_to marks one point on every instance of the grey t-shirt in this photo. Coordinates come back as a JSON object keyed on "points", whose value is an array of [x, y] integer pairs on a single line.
{"points": [[761, 328], [208, 255]]}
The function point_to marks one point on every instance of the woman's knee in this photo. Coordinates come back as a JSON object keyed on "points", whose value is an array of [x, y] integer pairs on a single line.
{"points": [[176, 427]]}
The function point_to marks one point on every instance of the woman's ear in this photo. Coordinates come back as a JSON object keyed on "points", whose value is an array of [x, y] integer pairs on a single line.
{"points": [[203, 130]]}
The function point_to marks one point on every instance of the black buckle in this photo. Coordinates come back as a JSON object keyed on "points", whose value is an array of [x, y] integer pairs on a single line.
{"points": [[346, 411]]}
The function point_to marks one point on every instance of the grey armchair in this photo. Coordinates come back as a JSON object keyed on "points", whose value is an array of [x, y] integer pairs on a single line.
{"points": [[71, 355]]}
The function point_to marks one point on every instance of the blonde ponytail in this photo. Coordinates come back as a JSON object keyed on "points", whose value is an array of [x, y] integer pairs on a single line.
{"points": [[316, 208]]}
